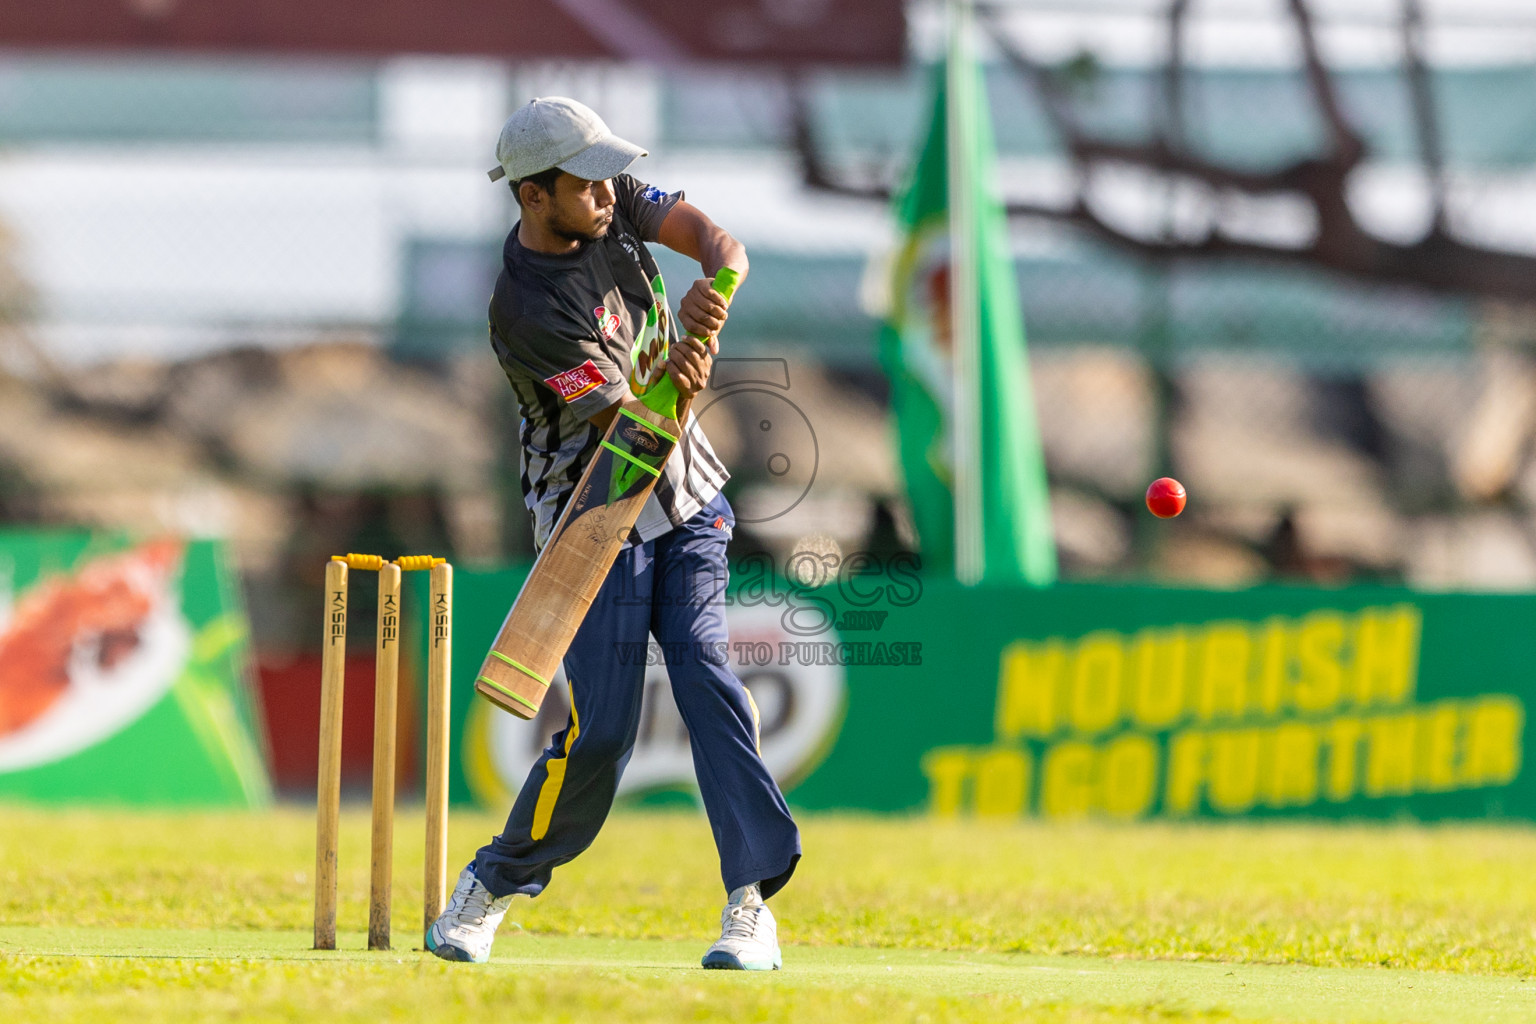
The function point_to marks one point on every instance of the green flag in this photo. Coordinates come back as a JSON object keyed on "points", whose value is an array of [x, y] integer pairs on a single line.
{"points": [[952, 344]]}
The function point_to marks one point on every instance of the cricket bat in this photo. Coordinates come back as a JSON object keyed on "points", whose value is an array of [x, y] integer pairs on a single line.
{"points": [[584, 543]]}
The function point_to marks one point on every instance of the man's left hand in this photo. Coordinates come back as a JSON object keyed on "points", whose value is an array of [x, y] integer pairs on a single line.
{"points": [[703, 312]]}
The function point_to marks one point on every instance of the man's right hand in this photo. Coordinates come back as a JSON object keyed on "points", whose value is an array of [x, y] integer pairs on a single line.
{"points": [[689, 365]]}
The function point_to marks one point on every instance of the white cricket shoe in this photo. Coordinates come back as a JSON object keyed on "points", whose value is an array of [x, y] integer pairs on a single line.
{"points": [[466, 929], [749, 936]]}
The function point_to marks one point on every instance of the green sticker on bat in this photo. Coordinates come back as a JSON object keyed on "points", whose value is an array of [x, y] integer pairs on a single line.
{"points": [[639, 450]]}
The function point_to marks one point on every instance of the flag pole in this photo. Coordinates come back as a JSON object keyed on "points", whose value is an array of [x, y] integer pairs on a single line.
{"points": [[964, 295]]}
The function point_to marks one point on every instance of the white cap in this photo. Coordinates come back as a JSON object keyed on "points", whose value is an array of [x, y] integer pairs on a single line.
{"points": [[553, 131]]}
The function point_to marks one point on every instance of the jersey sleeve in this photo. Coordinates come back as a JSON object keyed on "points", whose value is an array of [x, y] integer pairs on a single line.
{"points": [[564, 358], [644, 206]]}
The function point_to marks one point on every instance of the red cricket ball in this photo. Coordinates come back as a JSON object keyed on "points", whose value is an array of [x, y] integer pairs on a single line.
{"points": [[1165, 498]]}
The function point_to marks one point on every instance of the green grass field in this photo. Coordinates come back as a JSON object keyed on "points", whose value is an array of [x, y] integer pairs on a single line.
{"points": [[122, 916]]}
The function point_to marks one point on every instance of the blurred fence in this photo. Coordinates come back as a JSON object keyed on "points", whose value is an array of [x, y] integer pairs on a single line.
{"points": [[160, 213]]}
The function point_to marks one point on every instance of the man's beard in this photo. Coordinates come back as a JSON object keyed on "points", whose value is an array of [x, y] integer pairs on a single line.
{"points": [[571, 234]]}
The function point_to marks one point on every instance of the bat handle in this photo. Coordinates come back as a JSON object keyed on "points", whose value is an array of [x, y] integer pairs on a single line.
{"points": [[726, 280], [664, 397]]}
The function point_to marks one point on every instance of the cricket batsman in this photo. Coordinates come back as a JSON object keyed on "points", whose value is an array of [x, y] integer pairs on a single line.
{"points": [[568, 322]]}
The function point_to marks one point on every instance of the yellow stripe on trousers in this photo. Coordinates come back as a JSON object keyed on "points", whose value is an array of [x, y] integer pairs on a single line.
{"points": [[757, 723], [554, 777]]}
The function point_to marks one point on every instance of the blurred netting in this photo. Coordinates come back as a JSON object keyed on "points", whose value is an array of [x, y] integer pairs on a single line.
{"points": [[331, 224], [1328, 428]]}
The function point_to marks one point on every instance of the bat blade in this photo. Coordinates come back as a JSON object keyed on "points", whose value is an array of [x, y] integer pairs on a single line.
{"points": [[581, 549]]}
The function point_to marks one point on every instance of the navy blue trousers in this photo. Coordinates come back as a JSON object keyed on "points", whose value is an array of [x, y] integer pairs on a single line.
{"points": [[672, 588]]}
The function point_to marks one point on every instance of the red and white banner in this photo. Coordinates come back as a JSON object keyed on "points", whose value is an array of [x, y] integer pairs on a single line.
{"points": [[849, 32]]}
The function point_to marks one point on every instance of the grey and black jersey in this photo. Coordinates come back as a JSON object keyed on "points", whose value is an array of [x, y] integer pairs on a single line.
{"points": [[563, 328]]}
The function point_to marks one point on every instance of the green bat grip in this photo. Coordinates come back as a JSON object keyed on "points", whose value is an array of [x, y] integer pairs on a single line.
{"points": [[663, 397]]}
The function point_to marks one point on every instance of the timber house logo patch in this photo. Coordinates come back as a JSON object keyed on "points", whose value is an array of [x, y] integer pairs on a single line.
{"points": [[575, 382]]}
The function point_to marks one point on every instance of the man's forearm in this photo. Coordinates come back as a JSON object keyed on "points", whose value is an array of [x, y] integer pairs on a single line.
{"points": [[721, 249], [603, 418], [689, 231]]}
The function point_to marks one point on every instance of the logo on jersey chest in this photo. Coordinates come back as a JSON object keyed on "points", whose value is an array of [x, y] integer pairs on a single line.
{"points": [[607, 323]]}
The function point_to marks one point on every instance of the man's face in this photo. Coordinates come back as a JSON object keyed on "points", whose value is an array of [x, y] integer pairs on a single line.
{"points": [[579, 210]]}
